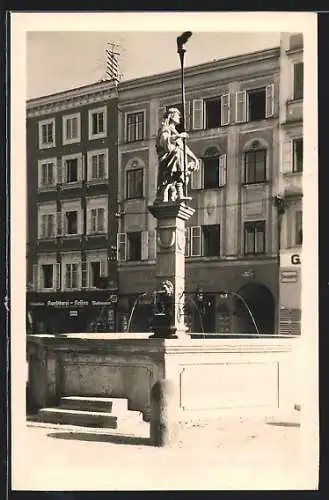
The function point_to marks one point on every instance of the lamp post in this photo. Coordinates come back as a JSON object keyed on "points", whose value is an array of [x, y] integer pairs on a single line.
{"points": [[181, 40], [280, 205]]}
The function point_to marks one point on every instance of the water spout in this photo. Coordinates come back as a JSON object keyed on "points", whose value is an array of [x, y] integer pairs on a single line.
{"points": [[248, 309], [134, 307]]}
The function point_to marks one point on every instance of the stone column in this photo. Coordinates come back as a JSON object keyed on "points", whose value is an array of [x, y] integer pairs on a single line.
{"points": [[170, 264]]}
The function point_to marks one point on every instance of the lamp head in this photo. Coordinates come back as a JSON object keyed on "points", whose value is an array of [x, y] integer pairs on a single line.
{"points": [[183, 38]]}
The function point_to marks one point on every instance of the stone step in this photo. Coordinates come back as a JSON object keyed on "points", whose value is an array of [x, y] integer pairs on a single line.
{"points": [[85, 403], [77, 417]]}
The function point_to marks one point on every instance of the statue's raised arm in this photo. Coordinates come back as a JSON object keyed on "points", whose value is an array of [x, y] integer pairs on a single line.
{"points": [[173, 172]]}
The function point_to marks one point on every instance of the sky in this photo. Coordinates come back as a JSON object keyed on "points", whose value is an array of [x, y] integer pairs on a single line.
{"points": [[61, 60]]}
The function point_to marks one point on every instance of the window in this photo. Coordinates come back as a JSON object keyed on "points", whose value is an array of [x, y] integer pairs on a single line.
{"points": [[213, 113], [47, 134], [71, 128], [72, 276], [97, 165], [47, 173], [256, 105], [97, 216], [71, 222], [211, 240], [71, 170], [98, 270], [135, 127], [298, 80], [135, 183], [97, 123], [47, 229], [299, 228], [254, 237], [255, 166], [47, 271], [134, 246], [297, 146]]}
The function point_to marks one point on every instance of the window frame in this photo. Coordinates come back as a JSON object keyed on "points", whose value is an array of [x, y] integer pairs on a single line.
{"points": [[90, 155], [91, 112], [41, 163], [80, 173], [254, 223], [298, 214], [247, 152], [293, 161], [65, 119], [128, 242], [129, 171], [203, 244], [135, 113], [41, 123], [46, 210], [43, 287], [300, 97]]}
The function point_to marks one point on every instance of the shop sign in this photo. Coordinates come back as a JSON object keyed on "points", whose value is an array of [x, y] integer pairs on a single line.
{"points": [[289, 276], [290, 259], [77, 303]]}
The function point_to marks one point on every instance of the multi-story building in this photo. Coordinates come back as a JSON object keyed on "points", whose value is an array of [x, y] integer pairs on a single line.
{"points": [[232, 117], [72, 202], [291, 187]]}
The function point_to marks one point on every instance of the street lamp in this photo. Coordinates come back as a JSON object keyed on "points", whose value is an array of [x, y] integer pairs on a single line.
{"points": [[280, 205], [181, 40]]}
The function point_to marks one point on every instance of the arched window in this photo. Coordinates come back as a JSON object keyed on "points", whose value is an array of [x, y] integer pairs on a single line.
{"points": [[255, 162], [214, 168], [135, 179]]}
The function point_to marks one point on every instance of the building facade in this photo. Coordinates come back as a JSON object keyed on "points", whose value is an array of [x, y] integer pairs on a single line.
{"points": [[232, 117], [72, 201], [291, 177]]}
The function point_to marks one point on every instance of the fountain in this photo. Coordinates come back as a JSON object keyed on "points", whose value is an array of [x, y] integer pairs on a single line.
{"points": [[212, 375]]}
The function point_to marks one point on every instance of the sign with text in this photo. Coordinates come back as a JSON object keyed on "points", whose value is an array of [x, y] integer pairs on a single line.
{"points": [[76, 303], [290, 259]]}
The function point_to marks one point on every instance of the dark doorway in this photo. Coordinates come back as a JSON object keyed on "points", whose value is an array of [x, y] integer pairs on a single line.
{"points": [[262, 306]]}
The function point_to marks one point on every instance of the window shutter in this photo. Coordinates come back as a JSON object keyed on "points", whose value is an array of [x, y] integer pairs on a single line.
{"points": [[187, 241], [195, 241], [225, 109], [80, 168], [53, 225], [42, 226], [84, 274], [187, 115], [240, 106], [60, 223], [197, 175], [59, 171], [145, 245], [121, 246], [35, 276], [64, 223], [79, 221], [269, 111], [57, 276], [197, 114], [287, 156], [103, 268], [222, 170]]}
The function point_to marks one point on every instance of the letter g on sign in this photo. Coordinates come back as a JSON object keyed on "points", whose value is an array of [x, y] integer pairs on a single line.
{"points": [[295, 259]]}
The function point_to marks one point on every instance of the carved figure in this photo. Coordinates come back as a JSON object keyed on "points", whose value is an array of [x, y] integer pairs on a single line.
{"points": [[172, 177]]}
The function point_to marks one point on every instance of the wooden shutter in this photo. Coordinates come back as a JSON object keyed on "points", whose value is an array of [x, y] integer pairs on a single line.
{"points": [[57, 276], [80, 168], [287, 156], [197, 176], [195, 241], [222, 170], [197, 114], [225, 109], [35, 276], [187, 241], [121, 247], [269, 107], [145, 245], [103, 268], [241, 106], [85, 274], [60, 223], [60, 171], [187, 115]]}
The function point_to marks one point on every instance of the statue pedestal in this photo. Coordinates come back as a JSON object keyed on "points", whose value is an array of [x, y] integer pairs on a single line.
{"points": [[170, 265]]}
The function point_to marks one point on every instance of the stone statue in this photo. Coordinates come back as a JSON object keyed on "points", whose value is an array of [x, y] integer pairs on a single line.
{"points": [[170, 150]]}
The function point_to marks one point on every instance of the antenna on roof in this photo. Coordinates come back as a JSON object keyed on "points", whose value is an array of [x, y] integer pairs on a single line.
{"points": [[112, 63]]}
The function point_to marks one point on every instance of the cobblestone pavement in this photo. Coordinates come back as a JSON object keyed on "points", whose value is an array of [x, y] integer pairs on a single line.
{"points": [[229, 453]]}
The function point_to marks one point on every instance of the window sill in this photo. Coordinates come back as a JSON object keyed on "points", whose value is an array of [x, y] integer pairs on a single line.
{"points": [[135, 198], [68, 142], [46, 238], [88, 235], [45, 189], [134, 141], [102, 135], [71, 185], [294, 173], [47, 146], [295, 100], [93, 182], [246, 184]]}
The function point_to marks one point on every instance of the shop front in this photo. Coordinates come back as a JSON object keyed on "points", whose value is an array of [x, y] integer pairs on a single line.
{"points": [[72, 313]]}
